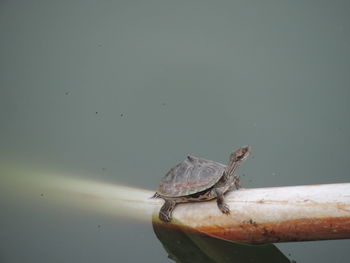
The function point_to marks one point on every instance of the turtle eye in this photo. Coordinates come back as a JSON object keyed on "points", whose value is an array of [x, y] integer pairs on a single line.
{"points": [[240, 155]]}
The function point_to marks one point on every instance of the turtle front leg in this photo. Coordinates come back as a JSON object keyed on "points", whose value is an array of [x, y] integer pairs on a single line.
{"points": [[237, 181], [165, 213], [224, 208]]}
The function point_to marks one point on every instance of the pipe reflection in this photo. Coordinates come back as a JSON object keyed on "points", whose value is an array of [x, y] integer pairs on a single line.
{"points": [[187, 246]]}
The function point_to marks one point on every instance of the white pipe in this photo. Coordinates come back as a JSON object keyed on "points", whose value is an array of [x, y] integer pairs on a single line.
{"points": [[262, 215], [276, 214]]}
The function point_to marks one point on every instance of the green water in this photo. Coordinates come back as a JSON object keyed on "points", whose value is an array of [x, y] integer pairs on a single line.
{"points": [[120, 91]]}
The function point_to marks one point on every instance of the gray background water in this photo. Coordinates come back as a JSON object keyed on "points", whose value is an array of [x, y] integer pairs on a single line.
{"points": [[123, 90]]}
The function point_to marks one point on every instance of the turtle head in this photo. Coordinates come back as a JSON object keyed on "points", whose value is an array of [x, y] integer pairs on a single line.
{"points": [[241, 154], [236, 158]]}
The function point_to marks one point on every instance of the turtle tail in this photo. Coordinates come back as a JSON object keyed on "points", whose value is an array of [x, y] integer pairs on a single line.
{"points": [[156, 195]]}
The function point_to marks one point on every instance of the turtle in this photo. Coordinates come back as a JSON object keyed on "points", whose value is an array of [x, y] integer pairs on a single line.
{"points": [[197, 179]]}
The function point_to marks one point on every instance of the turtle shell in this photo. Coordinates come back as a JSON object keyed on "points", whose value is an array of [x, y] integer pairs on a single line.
{"points": [[191, 176]]}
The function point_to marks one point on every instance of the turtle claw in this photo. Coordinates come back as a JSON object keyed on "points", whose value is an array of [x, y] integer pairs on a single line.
{"points": [[225, 209], [156, 195], [164, 217]]}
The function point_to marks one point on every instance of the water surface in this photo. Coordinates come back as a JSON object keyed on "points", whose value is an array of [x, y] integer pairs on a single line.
{"points": [[120, 91]]}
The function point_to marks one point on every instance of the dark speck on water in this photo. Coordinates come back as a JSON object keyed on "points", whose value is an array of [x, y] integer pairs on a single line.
{"points": [[96, 112], [66, 93], [121, 115], [41, 194]]}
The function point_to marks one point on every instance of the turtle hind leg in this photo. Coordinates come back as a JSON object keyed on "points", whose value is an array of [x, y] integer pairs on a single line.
{"points": [[165, 213]]}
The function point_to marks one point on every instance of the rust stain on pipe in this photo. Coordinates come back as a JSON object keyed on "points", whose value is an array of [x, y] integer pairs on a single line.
{"points": [[304, 229]]}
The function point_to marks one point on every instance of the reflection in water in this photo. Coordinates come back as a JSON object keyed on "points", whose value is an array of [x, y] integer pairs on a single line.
{"points": [[187, 247]]}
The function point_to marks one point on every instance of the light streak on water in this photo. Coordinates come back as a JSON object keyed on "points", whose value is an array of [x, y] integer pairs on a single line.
{"points": [[69, 191]]}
